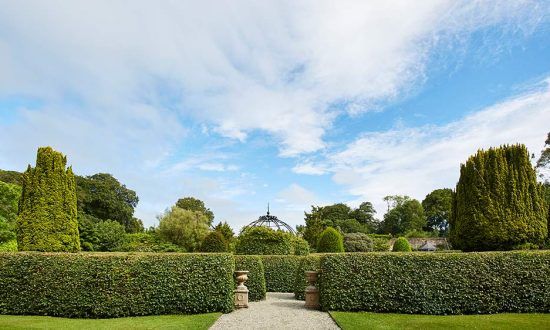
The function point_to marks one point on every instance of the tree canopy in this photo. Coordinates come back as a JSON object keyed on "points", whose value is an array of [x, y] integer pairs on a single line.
{"points": [[194, 204], [404, 215], [437, 208], [184, 228]]}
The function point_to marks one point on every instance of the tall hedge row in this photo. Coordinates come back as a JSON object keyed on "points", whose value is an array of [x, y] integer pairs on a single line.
{"points": [[280, 272], [115, 284], [309, 263], [428, 283], [256, 276], [47, 219]]}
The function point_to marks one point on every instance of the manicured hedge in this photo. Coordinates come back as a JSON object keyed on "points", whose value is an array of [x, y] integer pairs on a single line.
{"points": [[115, 284], [280, 272], [311, 262], [256, 276], [431, 283]]}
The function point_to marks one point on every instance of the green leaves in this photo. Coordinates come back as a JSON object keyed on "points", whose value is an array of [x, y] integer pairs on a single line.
{"points": [[498, 203], [256, 276], [432, 283], [115, 284], [47, 218], [330, 240]]}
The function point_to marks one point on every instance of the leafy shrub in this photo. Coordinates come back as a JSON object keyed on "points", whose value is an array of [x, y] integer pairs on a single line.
{"points": [[147, 242], [89, 285], [309, 263], [9, 246], [256, 276], [498, 202], [110, 235], [357, 242], [9, 199], [450, 283], [214, 242], [330, 240], [380, 244], [280, 272], [401, 245], [47, 219], [264, 241], [300, 246]]}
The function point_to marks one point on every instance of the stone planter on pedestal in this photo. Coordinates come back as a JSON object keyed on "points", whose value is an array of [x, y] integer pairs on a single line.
{"points": [[312, 293], [241, 293]]}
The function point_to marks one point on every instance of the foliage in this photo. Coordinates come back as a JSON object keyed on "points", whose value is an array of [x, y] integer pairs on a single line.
{"points": [[104, 197], [386, 321], [401, 245], [544, 160], [110, 235], [9, 199], [330, 240], [9, 246], [449, 283], [47, 218], [214, 242], [498, 202], [279, 272], [263, 240], [115, 284], [193, 204], [87, 230], [12, 177], [147, 242], [309, 263], [357, 242], [380, 244], [300, 246], [183, 227], [420, 234], [195, 322], [404, 214], [338, 215], [225, 229], [437, 208], [256, 276]]}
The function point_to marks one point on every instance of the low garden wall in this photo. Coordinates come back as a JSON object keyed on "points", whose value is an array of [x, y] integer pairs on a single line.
{"points": [[431, 283], [115, 284]]}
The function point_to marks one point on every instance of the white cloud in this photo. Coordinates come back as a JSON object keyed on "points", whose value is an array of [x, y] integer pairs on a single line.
{"points": [[296, 196], [415, 160], [309, 168], [240, 66]]}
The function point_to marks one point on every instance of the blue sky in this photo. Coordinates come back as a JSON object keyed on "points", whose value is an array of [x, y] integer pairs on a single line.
{"points": [[292, 103]]}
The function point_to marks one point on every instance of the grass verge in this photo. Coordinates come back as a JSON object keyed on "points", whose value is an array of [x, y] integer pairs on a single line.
{"points": [[197, 321], [365, 320]]}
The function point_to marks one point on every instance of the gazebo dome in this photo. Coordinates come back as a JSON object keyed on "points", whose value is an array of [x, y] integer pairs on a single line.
{"points": [[272, 222]]}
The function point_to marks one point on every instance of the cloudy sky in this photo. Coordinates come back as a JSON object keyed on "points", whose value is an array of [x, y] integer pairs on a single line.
{"points": [[296, 103]]}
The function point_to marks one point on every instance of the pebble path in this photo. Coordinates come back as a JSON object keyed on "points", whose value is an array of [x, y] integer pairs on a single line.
{"points": [[278, 311]]}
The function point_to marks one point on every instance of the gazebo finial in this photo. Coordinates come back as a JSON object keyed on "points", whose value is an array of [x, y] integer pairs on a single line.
{"points": [[267, 208]]}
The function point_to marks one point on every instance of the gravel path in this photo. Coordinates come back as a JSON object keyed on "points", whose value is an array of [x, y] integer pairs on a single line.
{"points": [[278, 311]]}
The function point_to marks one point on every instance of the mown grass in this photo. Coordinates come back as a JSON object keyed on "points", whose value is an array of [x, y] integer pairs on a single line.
{"points": [[364, 320], [198, 321]]}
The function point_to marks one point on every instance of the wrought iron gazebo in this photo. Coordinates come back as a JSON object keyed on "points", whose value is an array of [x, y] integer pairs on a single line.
{"points": [[272, 222]]}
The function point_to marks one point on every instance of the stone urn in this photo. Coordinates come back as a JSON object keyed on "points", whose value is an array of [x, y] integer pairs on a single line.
{"points": [[241, 293], [312, 293]]}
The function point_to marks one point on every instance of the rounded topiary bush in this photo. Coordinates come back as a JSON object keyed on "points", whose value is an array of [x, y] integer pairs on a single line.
{"points": [[300, 246], [401, 245], [330, 240], [214, 242], [358, 242], [264, 240]]}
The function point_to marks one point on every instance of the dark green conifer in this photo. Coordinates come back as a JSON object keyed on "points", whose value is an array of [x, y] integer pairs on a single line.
{"points": [[47, 219], [498, 203]]}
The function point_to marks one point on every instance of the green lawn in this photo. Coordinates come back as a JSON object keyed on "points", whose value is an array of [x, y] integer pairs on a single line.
{"points": [[363, 320], [198, 321]]}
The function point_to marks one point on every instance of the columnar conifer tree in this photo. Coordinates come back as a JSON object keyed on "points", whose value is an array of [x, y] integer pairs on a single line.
{"points": [[47, 219], [498, 203]]}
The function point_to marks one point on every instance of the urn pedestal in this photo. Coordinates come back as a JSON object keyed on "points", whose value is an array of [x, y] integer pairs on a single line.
{"points": [[312, 293], [241, 293]]}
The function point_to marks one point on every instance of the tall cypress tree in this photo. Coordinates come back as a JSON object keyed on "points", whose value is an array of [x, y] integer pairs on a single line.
{"points": [[47, 219], [498, 203]]}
